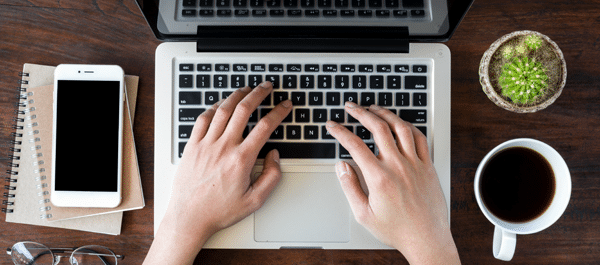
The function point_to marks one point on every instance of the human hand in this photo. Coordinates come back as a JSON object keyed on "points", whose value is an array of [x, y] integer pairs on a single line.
{"points": [[405, 207], [212, 189]]}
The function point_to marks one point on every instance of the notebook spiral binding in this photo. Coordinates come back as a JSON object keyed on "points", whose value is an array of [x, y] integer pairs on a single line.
{"points": [[12, 172], [24, 126]]}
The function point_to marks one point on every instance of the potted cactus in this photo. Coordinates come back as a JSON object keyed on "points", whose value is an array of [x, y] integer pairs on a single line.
{"points": [[523, 71]]}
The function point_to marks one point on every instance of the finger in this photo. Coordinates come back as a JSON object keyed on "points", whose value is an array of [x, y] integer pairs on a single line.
{"points": [[245, 108], [203, 123], [359, 151], [223, 113], [402, 129], [378, 127], [358, 200], [421, 144], [259, 191], [259, 135]]}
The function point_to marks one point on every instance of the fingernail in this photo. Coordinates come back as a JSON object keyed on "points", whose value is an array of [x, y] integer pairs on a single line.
{"points": [[331, 124], [351, 105], [287, 103], [276, 156], [341, 169], [245, 89], [374, 107], [264, 84]]}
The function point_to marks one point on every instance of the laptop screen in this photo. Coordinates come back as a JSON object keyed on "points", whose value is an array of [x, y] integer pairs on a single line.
{"points": [[409, 20]]}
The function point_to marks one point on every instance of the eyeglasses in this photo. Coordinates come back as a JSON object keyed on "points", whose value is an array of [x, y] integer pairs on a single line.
{"points": [[32, 253]]}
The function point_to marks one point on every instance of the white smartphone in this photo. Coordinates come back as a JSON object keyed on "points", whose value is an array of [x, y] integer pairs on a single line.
{"points": [[88, 135]]}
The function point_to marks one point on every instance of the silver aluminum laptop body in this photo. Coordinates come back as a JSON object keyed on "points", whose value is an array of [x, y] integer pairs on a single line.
{"points": [[308, 208]]}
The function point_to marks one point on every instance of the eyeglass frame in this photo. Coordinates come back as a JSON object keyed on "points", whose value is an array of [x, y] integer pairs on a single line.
{"points": [[66, 250]]}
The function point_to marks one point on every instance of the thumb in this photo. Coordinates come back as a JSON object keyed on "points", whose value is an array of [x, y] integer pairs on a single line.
{"points": [[266, 182], [358, 200]]}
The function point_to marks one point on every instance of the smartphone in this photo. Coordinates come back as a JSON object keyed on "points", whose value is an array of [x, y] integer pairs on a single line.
{"points": [[88, 135]]}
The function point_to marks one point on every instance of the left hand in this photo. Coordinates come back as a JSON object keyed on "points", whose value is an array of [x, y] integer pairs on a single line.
{"points": [[212, 189]]}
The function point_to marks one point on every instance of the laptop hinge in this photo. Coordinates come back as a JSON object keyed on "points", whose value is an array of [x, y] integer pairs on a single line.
{"points": [[303, 45], [302, 39]]}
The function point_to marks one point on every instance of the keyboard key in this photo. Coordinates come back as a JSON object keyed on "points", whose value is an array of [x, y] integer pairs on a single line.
{"points": [[423, 129], [329, 68], [274, 80], [368, 68], [307, 3], [202, 81], [324, 81], [359, 81], [359, 3], [224, 13], [414, 116], [347, 13], [204, 67], [298, 98], [220, 81], [277, 12], [188, 98], [392, 3], [302, 115], [290, 3], [211, 98], [341, 3], [385, 99], [240, 68], [223, 3], [375, 3], [290, 81], [189, 114], [307, 81], [337, 115], [393, 82], [277, 134], [185, 131], [401, 68], [333, 98], [311, 13], [402, 99], [400, 13], [279, 97], [257, 3], [384, 68], [254, 80], [273, 3], [324, 3], [325, 134], [294, 12], [367, 99], [189, 3], [348, 67], [258, 67], [420, 99], [363, 133], [415, 82], [299, 150], [329, 13], [188, 13], [412, 3], [259, 13], [185, 81], [186, 67], [311, 132], [342, 81], [419, 68], [315, 98], [181, 147], [293, 132], [351, 96], [417, 13], [365, 13], [311, 68], [205, 3], [238, 81], [319, 115], [376, 82], [294, 67], [346, 155], [240, 3]]}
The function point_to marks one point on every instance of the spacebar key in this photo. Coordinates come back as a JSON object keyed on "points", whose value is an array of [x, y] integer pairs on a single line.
{"points": [[299, 150]]}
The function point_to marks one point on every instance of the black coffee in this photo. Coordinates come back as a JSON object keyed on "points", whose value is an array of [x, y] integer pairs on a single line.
{"points": [[517, 185]]}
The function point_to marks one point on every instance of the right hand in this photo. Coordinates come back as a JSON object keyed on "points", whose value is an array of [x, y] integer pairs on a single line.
{"points": [[405, 206]]}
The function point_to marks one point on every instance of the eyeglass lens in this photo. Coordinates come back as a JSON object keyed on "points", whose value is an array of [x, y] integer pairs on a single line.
{"points": [[30, 253], [93, 255]]}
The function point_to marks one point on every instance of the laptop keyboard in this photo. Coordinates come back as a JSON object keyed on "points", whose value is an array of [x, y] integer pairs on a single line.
{"points": [[318, 86], [301, 10]]}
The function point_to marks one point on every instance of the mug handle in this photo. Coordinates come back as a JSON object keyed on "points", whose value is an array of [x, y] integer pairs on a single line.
{"points": [[504, 244]]}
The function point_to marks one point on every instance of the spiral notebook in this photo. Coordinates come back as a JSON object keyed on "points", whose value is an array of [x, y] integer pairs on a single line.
{"points": [[27, 196]]}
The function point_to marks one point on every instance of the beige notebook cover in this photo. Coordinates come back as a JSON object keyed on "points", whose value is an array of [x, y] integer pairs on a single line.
{"points": [[27, 197]]}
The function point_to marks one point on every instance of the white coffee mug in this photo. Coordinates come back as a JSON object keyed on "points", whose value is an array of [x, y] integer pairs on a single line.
{"points": [[505, 239]]}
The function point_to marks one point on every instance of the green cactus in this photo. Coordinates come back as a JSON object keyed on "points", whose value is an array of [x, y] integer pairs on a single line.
{"points": [[534, 42], [523, 80]]}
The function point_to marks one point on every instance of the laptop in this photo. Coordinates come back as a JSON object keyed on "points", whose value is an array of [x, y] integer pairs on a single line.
{"points": [[319, 54]]}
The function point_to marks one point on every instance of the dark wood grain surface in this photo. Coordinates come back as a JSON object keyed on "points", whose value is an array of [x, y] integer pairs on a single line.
{"points": [[51, 32]]}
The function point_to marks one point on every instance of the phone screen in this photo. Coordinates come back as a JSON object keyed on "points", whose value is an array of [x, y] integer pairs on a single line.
{"points": [[87, 135]]}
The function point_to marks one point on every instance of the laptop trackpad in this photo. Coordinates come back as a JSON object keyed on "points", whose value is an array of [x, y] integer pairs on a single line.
{"points": [[304, 207]]}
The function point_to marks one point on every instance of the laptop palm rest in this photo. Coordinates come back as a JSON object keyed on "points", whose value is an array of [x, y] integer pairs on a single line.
{"points": [[304, 207]]}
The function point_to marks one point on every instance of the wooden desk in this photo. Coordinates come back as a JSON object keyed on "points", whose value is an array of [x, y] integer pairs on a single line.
{"points": [[114, 32]]}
